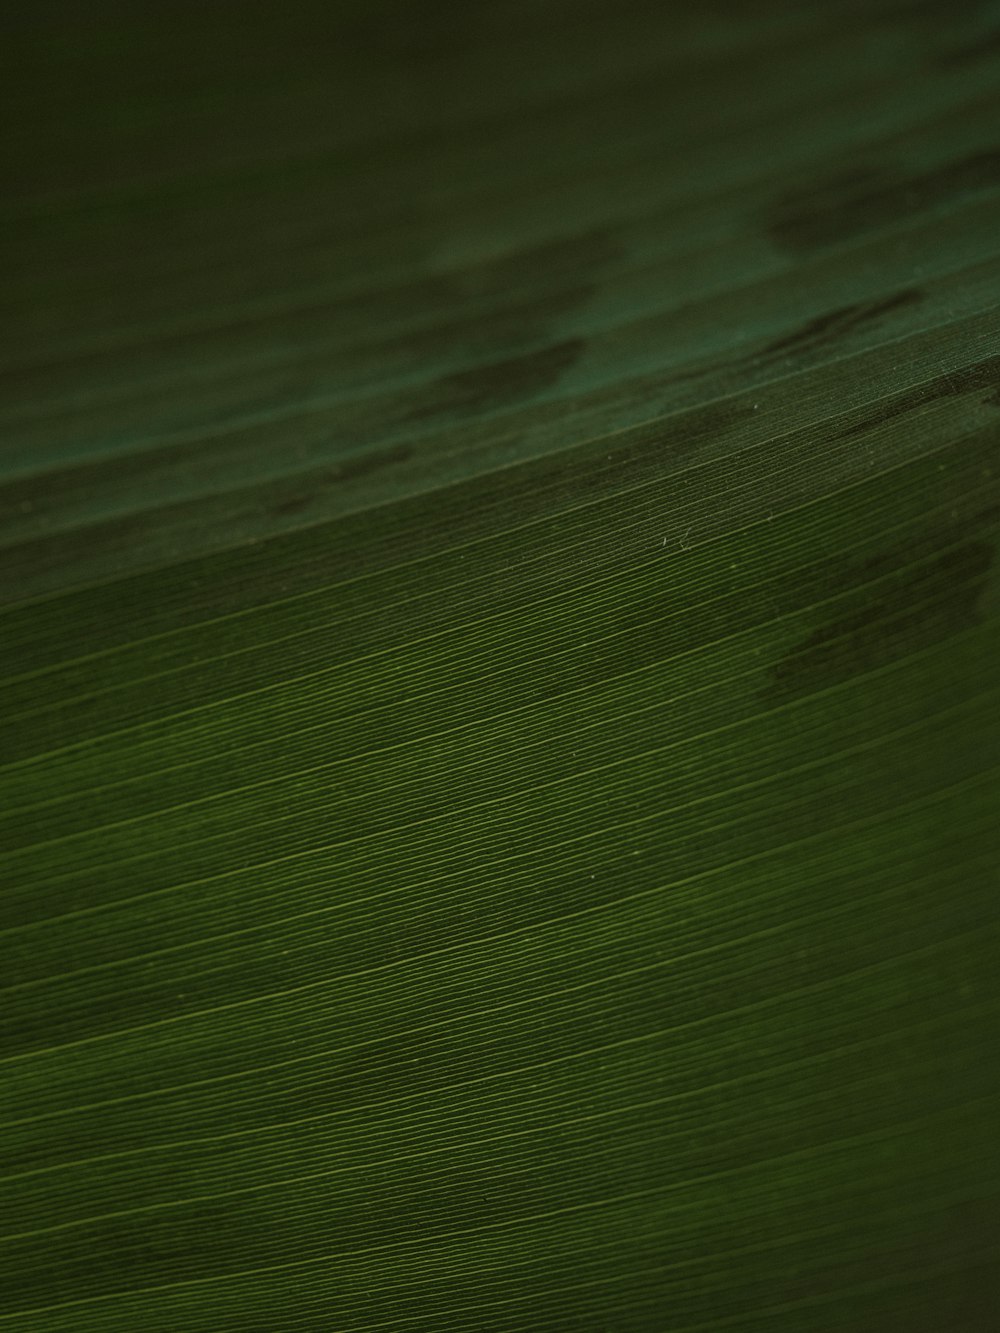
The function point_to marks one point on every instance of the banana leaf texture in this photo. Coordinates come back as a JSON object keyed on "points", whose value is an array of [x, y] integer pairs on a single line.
{"points": [[499, 647]]}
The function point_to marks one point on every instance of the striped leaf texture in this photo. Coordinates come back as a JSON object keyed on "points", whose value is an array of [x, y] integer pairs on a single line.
{"points": [[499, 645]]}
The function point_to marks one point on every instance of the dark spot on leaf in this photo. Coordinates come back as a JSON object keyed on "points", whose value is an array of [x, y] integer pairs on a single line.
{"points": [[504, 304], [493, 332], [500, 383], [293, 505], [827, 329], [348, 469], [982, 375], [900, 604], [685, 432], [846, 205]]}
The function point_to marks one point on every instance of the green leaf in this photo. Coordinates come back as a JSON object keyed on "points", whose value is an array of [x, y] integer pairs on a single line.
{"points": [[499, 638]]}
